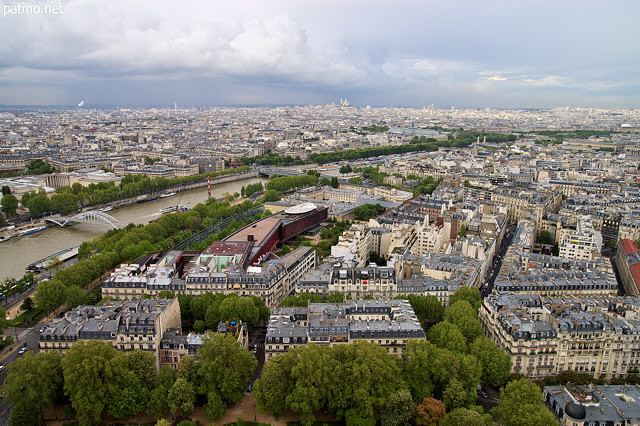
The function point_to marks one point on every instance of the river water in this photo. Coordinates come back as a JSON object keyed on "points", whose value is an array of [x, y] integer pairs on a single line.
{"points": [[18, 252]]}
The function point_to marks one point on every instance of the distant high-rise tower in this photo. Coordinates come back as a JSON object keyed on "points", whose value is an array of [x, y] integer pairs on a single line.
{"points": [[175, 106], [67, 136], [475, 147]]}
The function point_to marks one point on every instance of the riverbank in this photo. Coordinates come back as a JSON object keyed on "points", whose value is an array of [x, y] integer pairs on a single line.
{"points": [[18, 253]]}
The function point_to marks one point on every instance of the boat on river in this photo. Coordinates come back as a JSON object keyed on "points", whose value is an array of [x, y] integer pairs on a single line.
{"points": [[173, 209], [168, 194], [32, 231], [145, 199], [106, 209]]}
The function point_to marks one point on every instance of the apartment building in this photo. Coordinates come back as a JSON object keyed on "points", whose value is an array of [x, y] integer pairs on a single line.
{"points": [[219, 269], [389, 323], [543, 336], [127, 325], [582, 243], [628, 263]]}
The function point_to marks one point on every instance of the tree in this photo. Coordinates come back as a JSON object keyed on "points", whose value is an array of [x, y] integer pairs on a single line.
{"points": [[143, 366], [53, 263], [454, 395], [271, 196], [49, 294], [448, 336], [39, 204], [65, 202], [521, 404], [166, 294], [35, 381], [74, 296], [27, 304], [224, 366], [9, 204], [545, 237], [465, 317], [189, 370], [5, 190], [325, 181], [470, 294], [398, 410], [24, 415], [91, 370], [335, 298], [463, 231], [496, 365], [334, 182], [198, 326], [129, 396], [181, 397], [158, 405], [4, 323], [430, 412], [465, 417]]}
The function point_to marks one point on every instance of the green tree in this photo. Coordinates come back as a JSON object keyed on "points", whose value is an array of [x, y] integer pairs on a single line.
{"points": [[198, 326], [181, 397], [271, 196], [470, 294], [24, 415], [65, 202], [334, 182], [27, 304], [463, 231], [430, 412], [465, 317], [448, 336], [224, 366], [454, 395], [49, 294], [189, 370], [4, 323], [325, 181], [9, 204], [39, 204], [465, 417], [158, 405], [545, 237], [335, 298], [521, 404], [166, 294], [34, 381], [143, 366], [5, 190], [398, 409], [496, 365], [91, 370], [74, 296], [129, 397]]}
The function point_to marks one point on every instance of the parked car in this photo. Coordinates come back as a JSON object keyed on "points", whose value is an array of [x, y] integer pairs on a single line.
{"points": [[23, 350], [483, 394]]}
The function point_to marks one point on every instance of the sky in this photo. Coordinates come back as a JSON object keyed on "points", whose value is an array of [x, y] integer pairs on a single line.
{"points": [[465, 53]]}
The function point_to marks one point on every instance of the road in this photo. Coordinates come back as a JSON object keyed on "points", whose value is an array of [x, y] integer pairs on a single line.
{"points": [[28, 337]]}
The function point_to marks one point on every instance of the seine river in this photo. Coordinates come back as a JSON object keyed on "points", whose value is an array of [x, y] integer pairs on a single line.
{"points": [[18, 252]]}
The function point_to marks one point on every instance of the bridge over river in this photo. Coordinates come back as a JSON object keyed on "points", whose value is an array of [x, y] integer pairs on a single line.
{"points": [[93, 217]]}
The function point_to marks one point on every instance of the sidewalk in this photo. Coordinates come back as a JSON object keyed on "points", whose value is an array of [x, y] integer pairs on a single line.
{"points": [[246, 409]]}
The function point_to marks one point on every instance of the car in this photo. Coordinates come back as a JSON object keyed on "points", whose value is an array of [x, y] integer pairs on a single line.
{"points": [[2, 367], [483, 394], [23, 350], [42, 329], [249, 388]]}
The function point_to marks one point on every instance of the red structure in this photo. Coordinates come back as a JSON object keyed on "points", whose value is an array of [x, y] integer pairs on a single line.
{"points": [[280, 227]]}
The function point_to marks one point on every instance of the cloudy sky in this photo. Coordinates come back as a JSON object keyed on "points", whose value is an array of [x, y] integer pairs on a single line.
{"points": [[467, 53]]}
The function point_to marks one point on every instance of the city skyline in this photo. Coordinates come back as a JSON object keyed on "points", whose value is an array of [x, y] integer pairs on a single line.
{"points": [[491, 54]]}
